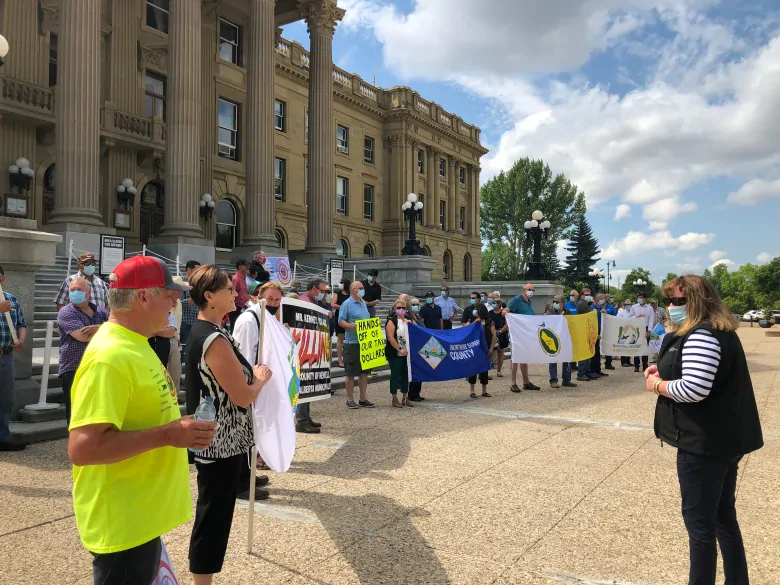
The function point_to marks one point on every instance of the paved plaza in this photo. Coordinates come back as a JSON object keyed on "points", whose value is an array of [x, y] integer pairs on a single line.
{"points": [[559, 486]]}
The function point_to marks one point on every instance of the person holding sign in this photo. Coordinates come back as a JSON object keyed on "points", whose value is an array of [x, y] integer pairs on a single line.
{"points": [[396, 352], [479, 314], [352, 310]]}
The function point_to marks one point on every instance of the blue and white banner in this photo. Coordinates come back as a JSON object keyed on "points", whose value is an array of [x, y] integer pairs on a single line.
{"points": [[437, 356]]}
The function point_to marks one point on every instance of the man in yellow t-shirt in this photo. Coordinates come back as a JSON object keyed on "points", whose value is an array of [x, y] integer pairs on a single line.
{"points": [[127, 437]]}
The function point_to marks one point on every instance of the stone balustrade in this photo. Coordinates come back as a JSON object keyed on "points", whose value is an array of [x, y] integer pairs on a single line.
{"points": [[131, 128], [27, 98]]}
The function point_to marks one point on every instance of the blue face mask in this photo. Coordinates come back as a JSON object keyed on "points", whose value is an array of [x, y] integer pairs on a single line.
{"points": [[571, 298], [89, 270], [482, 298], [490, 306], [370, 279], [444, 293], [415, 308], [556, 306], [77, 296], [641, 301], [601, 302], [429, 300], [678, 314], [473, 301], [589, 299], [361, 293], [322, 296], [474, 312]]}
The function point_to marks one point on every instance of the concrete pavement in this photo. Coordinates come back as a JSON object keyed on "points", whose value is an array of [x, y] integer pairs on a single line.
{"points": [[552, 487]]}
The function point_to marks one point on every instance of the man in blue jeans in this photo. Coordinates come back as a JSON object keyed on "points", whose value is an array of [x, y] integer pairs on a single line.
{"points": [[9, 304], [584, 305], [558, 308]]}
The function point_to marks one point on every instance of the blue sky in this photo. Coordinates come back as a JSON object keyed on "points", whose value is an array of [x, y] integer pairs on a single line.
{"points": [[660, 110]]}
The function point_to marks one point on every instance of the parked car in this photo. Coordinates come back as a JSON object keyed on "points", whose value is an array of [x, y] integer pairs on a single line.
{"points": [[753, 315]]}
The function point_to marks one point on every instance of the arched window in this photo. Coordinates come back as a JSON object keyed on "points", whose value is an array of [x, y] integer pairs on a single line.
{"points": [[447, 266], [467, 267], [342, 249], [281, 239], [368, 250], [226, 225], [426, 251]]}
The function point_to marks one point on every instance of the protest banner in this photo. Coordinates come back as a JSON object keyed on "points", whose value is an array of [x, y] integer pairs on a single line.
{"points": [[584, 331], [440, 355], [623, 337], [279, 269], [310, 328], [372, 343], [545, 339], [165, 575], [655, 342]]}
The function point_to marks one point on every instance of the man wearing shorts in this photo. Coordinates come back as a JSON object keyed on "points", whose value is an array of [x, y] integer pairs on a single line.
{"points": [[131, 481], [352, 310]]}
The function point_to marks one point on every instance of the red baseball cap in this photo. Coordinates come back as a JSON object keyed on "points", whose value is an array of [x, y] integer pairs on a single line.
{"points": [[145, 272]]}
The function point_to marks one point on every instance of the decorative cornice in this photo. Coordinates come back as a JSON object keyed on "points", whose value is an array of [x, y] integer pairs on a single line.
{"points": [[209, 8], [48, 18], [321, 16], [412, 139], [155, 56]]}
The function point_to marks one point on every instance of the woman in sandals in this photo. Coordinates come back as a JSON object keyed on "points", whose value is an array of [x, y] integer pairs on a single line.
{"points": [[479, 314], [396, 351]]}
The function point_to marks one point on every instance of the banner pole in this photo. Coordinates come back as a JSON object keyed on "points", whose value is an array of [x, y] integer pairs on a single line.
{"points": [[253, 462], [8, 320]]}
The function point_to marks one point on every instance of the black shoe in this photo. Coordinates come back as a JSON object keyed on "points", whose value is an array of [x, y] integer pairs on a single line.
{"points": [[421, 398], [609, 367], [636, 369], [8, 446], [316, 425], [366, 403], [583, 379], [569, 385], [602, 374], [415, 399], [530, 386], [626, 365], [260, 494], [593, 377], [515, 388], [306, 428]]}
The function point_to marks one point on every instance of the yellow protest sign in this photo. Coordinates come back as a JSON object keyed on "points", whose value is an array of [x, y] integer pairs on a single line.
{"points": [[372, 343], [584, 331]]}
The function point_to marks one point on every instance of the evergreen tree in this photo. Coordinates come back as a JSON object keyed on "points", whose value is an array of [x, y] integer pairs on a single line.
{"points": [[583, 252]]}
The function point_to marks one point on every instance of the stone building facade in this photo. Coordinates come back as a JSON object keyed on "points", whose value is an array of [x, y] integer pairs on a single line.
{"points": [[133, 114]]}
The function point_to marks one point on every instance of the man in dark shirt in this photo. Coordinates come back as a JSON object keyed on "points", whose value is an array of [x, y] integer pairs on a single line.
{"points": [[373, 295], [584, 373], [467, 312], [430, 313], [502, 332]]}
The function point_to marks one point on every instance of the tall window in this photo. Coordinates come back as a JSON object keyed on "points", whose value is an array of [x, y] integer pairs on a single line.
{"points": [[442, 215], [281, 240], [53, 43], [306, 186], [307, 125], [467, 267], [342, 249], [447, 265], [342, 195], [229, 42], [280, 175], [442, 170], [462, 172], [342, 139], [369, 251], [368, 150], [462, 219], [226, 225], [155, 96], [280, 111], [228, 129], [420, 161], [368, 202], [157, 14], [421, 199]]}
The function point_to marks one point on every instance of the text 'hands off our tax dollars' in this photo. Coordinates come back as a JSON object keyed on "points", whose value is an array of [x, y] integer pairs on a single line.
{"points": [[372, 343]]}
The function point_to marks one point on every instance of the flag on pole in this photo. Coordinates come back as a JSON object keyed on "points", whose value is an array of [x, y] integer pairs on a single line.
{"points": [[623, 337], [539, 339], [584, 331], [437, 356], [274, 407]]}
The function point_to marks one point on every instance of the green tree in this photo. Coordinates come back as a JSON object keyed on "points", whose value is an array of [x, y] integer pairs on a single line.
{"points": [[767, 280], [507, 202], [669, 276], [583, 251], [630, 290]]}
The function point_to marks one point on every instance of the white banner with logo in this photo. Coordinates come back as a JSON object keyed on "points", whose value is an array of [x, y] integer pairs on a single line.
{"points": [[539, 339], [622, 337]]}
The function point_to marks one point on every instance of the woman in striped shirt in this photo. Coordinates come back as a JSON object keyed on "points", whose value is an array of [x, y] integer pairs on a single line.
{"points": [[707, 410]]}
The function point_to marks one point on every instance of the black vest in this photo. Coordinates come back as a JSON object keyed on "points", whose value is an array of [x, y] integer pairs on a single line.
{"points": [[726, 422]]}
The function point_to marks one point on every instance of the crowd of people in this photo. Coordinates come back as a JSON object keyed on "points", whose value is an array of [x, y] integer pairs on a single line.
{"points": [[130, 446]]}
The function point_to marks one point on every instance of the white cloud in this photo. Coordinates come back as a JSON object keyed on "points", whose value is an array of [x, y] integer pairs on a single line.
{"points": [[660, 213], [755, 191], [764, 258], [688, 268], [622, 211], [636, 242], [730, 264], [717, 255], [699, 110]]}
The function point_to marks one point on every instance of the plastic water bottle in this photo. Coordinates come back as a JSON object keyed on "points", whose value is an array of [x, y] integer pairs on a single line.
{"points": [[205, 411]]}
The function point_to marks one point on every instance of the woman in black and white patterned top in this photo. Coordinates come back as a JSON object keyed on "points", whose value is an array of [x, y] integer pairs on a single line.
{"points": [[215, 368]]}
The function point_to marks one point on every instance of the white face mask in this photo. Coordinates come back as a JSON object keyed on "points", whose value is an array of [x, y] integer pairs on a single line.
{"points": [[530, 293]]}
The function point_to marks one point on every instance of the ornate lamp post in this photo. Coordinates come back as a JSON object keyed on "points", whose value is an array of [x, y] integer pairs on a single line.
{"points": [[412, 211], [536, 228], [639, 283], [609, 278], [3, 50]]}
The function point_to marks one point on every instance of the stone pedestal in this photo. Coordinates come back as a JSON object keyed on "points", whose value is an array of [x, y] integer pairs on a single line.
{"points": [[199, 249], [401, 273], [84, 237], [22, 252]]}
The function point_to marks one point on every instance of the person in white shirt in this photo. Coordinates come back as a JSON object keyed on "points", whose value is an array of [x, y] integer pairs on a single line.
{"points": [[625, 313], [642, 309]]}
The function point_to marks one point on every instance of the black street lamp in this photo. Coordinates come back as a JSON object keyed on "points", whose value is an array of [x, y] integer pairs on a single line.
{"points": [[412, 211], [609, 278], [536, 229]]}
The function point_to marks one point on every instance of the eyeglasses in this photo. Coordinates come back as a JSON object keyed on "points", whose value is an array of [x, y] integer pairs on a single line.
{"points": [[229, 289], [675, 301]]}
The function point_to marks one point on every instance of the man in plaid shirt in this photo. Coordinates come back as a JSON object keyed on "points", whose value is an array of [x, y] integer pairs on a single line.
{"points": [[189, 310], [7, 371], [86, 266]]}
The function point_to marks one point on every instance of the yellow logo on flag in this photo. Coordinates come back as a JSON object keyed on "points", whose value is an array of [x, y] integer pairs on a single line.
{"points": [[549, 341], [584, 331]]}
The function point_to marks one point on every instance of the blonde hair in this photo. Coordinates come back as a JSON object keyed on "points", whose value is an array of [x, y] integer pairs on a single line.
{"points": [[704, 304], [291, 295], [269, 285]]}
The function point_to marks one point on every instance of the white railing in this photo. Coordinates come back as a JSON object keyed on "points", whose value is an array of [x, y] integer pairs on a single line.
{"points": [[340, 77], [422, 106]]}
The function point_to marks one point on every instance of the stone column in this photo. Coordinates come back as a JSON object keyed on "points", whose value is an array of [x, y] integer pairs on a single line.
{"points": [[452, 195], [77, 110], [321, 17], [470, 200], [182, 156], [259, 152], [477, 169], [432, 197], [411, 163]]}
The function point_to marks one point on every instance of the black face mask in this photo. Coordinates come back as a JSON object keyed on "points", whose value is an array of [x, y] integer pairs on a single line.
{"points": [[271, 310]]}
